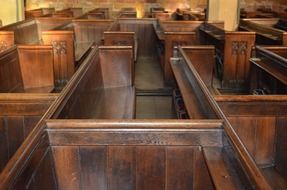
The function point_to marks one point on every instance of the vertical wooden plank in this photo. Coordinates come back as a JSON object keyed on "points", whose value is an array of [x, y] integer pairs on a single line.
{"points": [[29, 124], [265, 139], [67, 167], [15, 130], [201, 176], [3, 144], [281, 146], [93, 162], [179, 168], [121, 166], [45, 174], [150, 173], [246, 130]]}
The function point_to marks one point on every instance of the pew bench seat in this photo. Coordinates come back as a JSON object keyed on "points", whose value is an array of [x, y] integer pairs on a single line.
{"points": [[223, 175]]}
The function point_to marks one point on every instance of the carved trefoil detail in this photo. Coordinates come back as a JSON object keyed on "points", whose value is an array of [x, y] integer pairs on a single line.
{"points": [[239, 47], [60, 47]]}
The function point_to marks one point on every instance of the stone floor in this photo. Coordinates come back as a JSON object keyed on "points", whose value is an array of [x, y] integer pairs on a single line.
{"points": [[149, 76], [154, 107]]}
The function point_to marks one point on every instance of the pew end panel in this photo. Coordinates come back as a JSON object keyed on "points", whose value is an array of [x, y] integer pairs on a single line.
{"points": [[64, 55], [237, 52], [36, 64]]}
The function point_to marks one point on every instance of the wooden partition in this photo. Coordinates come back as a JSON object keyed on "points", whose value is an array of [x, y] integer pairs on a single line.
{"points": [[233, 51], [64, 55], [266, 33], [19, 115], [201, 153], [27, 69], [107, 89], [268, 71], [260, 122], [173, 34], [203, 60], [25, 32], [87, 31], [38, 12], [6, 40]]}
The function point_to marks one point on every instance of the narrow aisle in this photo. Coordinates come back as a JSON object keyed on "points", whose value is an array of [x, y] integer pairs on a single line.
{"points": [[148, 74]]}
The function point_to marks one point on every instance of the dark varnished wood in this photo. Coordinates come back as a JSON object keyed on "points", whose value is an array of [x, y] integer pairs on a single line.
{"points": [[19, 115]]}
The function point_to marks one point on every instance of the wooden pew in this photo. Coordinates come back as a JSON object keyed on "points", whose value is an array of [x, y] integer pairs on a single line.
{"points": [[233, 50], [133, 32], [72, 43], [260, 122], [269, 68], [69, 12], [127, 13], [27, 69], [172, 34], [102, 13], [256, 119], [38, 12], [281, 24], [31, 32], [187, 73], [107, 90], [19, 115], [266, 33], [148, 154]]}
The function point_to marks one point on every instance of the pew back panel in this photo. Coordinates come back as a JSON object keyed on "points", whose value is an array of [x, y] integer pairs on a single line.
{"points": [[36, 64], [143, 29], [90, 30], [106, 91], [10, 78], [25, 32]]}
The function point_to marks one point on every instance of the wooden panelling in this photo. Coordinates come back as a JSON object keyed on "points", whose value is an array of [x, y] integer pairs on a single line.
{"points": [[19, 115], [64, 56], [10, 77], [281, 147], [36, 63], [143, 29], [25, 32], [39, 169], [172, 40], [6, 40], [90, 30], [122, 167], [117, 66], [237, 52], [258, 135], [203, 60], [128, 167]]}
